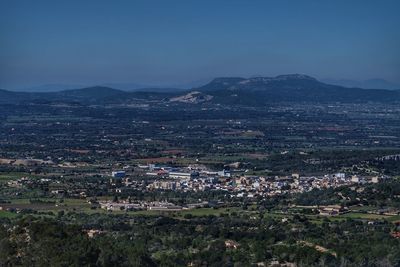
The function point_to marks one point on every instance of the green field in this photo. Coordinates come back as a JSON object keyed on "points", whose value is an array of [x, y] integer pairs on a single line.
{"points": [[365, 216], [82, 206], [7, 214], [7, 176]]}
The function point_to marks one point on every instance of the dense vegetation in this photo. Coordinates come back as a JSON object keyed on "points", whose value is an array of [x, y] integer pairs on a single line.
{"points": [[200, 241]]}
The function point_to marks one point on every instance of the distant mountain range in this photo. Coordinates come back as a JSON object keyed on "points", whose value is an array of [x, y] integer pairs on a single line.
{"points": [[367, 84], [130, 87], [49, 88], [253, 91]]}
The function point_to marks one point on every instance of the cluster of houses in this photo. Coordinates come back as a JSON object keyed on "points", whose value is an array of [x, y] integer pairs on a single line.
{"points": [[127, 205], [239, 185], [195, 179], [26, 181]]}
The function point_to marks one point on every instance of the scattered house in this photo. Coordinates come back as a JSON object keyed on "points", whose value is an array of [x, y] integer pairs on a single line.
{"points": [[395, 234], [355, 179], [118, 174], [231, 244], [163, 206], [94, 232], [332, 210], [117, 206]]}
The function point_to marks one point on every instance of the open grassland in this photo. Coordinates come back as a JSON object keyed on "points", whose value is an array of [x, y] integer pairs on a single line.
{"points": [[8, 176], [7, 214], [54, 205]]}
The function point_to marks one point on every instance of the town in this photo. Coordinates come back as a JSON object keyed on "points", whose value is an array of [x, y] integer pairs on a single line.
{"points": [[234, 184]]}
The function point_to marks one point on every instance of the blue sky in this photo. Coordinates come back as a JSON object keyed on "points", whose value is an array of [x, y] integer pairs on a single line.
{"points": [[173, 42]]}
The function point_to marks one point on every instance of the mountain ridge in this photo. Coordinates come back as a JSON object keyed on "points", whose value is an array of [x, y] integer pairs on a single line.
{"points": [[221, 90], [289, 87], [365, 84]]}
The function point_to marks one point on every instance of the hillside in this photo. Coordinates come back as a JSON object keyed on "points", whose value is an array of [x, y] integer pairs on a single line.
{"points": [[292, 88]]}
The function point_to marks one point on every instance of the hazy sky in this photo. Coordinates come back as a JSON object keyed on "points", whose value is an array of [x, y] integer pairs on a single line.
{"points": [[172, 42]]}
